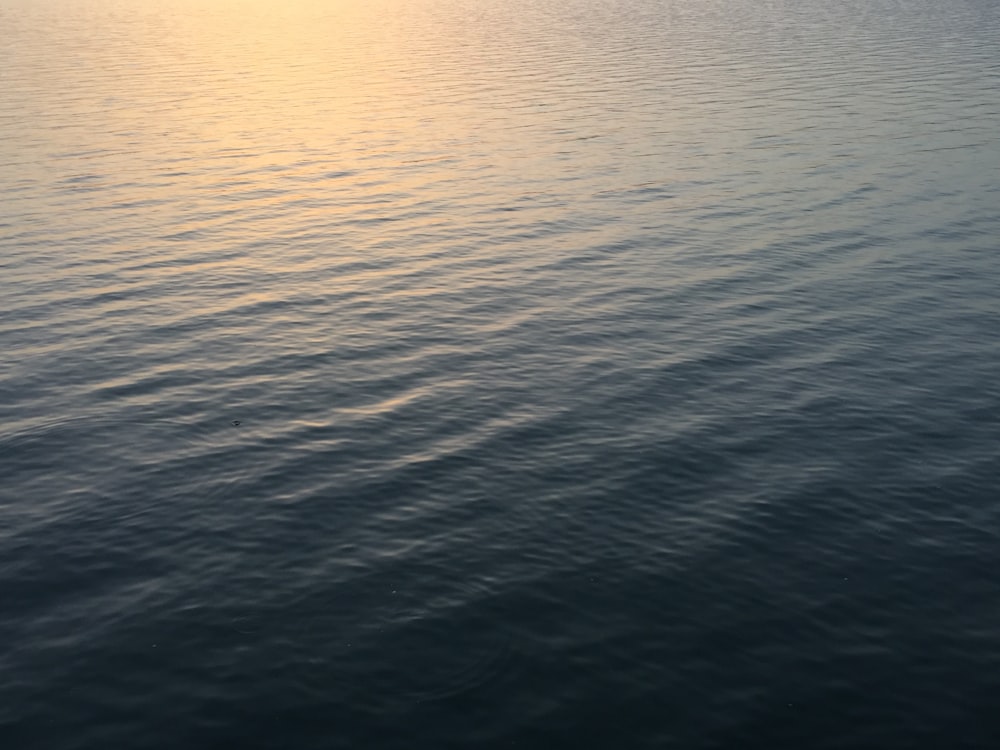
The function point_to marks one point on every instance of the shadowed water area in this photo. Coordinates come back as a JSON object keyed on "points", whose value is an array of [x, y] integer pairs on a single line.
{"points": [[539, 374]]}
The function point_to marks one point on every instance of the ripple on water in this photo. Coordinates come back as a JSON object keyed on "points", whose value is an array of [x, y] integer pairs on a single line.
{"points": [[448, 637]]}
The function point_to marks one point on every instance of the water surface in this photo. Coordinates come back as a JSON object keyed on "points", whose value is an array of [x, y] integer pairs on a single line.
{"points": [[495, 373]]}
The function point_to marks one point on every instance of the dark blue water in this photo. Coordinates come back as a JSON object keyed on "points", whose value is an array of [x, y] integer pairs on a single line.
{"points": [[484, 374]]}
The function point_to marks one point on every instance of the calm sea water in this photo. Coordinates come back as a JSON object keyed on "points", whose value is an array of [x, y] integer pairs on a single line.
{"points": [[540, 374]]}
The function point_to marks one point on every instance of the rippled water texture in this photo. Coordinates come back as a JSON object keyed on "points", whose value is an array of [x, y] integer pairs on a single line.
{"points": [[499, 374]]}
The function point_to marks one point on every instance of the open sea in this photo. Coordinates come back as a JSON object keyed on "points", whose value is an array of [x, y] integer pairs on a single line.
{"points": [[499, 374]]}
